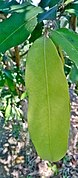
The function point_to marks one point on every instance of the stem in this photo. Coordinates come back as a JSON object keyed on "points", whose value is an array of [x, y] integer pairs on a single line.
{"points": [[17, 56], [73, 22]]}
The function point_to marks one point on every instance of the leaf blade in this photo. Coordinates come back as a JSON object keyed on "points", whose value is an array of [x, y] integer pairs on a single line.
{"points": [[45, 105], [19, 23], [72, 8], [48, 15], [67, 40]]}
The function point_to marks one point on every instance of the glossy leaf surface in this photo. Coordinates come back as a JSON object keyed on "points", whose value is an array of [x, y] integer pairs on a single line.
{"points": [[48, 113], [16, 29]]}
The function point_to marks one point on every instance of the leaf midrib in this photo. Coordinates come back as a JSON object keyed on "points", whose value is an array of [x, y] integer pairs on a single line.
{"points": [[47, 91]]}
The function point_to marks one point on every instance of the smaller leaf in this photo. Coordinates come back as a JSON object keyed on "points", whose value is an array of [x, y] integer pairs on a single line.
{"points": [[44, 3], [48, 15], [17, 7], [10, 6], [54, 169], [10, 80], [68, 41], [55, 2], [37, 32], [8, 110], [73, 76], [71, 36], [23, 96], [8, 74], [72, 8], [6, 5], [11, 85], [68, 2]]}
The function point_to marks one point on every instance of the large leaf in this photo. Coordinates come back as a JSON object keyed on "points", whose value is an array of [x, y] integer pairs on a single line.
{"points": [[48, 114], [68, 41], [15, 29]]}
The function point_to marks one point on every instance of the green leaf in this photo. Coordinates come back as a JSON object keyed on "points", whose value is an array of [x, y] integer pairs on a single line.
{"points": [[5, 6], [44, 3], [68, 2], [10, 6], [37, 32], [24, 95], [11, 85], [8, 74], [16, 8], [48, 113], [72, 9], [16, 29], [2, 78], [67, 66], [53, 3], [48, 15], [55, 169], [8, 110], [68, 41], [50, 3], [10, 80], [73, 76]]}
